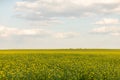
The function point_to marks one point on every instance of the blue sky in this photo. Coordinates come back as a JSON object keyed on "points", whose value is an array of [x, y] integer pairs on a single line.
{"points": [[59, 24]]}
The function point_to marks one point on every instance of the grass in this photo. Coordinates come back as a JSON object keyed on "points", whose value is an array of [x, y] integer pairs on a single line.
{"points": [[64, 64]]}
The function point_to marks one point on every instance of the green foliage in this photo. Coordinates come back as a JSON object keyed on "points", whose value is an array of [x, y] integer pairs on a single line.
{"points": [[60, 65]]}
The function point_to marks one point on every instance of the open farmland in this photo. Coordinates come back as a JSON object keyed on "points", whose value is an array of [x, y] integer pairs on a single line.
{"points": [[64, 64]]}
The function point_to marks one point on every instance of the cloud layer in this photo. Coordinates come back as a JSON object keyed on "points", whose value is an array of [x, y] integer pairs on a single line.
{"points": [[46, 12], [6, 32], [108, 21], [110, 30], [108, 26], [41, 10]]}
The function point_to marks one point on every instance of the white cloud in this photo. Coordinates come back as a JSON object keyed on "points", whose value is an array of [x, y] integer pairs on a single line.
{"points": [[46, 9], [110, 30], [116, 34], [45, 22], [108, 21], [66, 35], [6, 32]]}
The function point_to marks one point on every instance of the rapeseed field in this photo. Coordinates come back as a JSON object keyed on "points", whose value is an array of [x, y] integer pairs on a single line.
{"points": [[63, 64]]}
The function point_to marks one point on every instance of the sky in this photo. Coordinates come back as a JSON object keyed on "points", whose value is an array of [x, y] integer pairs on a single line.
{"points": [[44, 24]]}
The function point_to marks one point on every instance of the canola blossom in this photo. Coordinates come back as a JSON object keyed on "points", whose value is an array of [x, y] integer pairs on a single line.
{"points": [[60, 64]]}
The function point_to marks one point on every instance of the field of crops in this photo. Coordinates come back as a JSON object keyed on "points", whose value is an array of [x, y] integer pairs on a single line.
{"points": [[60, 64]]}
